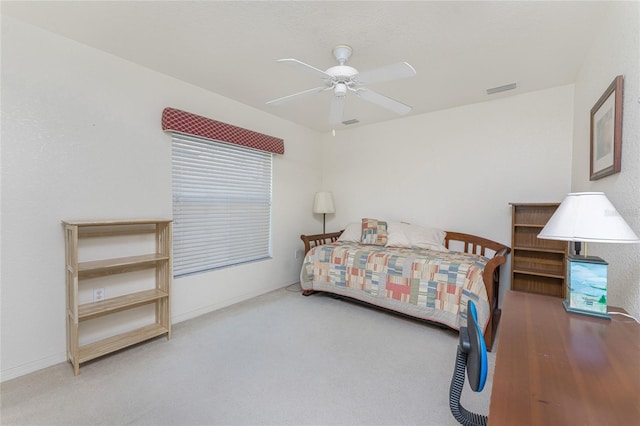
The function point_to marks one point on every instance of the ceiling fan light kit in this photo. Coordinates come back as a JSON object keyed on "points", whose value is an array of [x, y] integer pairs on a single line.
{"points": [[343, 78], [340, 89]]}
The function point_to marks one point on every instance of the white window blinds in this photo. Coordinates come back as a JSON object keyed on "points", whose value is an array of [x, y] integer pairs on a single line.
{"points": [[221, 204]]}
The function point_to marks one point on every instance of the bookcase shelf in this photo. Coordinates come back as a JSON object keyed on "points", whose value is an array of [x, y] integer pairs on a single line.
{"points": [[119, 265], [537, 273], [540, 249], [116, 304], [76, 271], [120, 341]]}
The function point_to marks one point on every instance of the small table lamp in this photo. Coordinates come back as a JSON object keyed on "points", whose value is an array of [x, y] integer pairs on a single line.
{"points": [[323, 203], [587, 217]]}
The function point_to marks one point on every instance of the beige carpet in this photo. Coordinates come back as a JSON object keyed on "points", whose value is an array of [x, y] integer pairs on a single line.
{"points": [[278, 359]]}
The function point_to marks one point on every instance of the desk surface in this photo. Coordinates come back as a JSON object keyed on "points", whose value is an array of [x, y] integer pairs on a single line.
{"points": [[557, 368]]}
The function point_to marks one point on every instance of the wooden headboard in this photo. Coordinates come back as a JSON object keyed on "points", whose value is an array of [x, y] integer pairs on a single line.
{"points": [[311, 241]]}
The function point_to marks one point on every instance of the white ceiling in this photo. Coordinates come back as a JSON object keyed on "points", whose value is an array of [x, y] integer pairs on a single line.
{"points": [[459, 49]]}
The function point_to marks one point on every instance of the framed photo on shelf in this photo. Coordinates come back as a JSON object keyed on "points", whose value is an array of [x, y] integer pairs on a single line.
{"points": [[606, 132]]}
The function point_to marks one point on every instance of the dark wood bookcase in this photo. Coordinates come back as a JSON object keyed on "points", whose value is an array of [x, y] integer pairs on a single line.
{"points": [[537, 265]]}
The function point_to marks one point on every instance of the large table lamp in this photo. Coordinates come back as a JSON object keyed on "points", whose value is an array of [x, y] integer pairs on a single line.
{"points": [[323, 203], [587, 217]]}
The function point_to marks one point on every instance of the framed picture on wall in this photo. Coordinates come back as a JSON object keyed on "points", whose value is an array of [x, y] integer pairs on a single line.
{"points": [[606, 132]]}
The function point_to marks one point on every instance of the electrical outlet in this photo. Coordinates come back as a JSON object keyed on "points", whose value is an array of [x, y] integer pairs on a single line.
{"points": [[297, 253], [98, 294]]}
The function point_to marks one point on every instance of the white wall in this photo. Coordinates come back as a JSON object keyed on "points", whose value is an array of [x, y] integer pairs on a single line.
{"points": [[616, 51], [81, 139], [456, 169]]}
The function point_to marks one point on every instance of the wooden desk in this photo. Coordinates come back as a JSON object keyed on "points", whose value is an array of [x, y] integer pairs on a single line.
{"points": [[555, 368]]}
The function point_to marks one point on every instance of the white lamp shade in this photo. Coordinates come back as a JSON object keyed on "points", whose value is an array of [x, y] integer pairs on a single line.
{"points": [[323, 203], [588, 217]]}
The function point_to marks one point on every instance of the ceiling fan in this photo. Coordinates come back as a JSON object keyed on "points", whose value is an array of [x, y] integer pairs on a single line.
{"points": [[343, 78]]}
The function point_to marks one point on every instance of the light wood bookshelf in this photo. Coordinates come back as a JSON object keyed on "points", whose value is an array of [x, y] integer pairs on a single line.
{"points": [[537, 265], [77, 271]]}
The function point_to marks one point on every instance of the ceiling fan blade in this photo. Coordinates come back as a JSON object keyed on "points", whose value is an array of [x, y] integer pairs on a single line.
{"points": [[295, 95], [390, 72], [306, 67], [383, 101], [337, 109]]}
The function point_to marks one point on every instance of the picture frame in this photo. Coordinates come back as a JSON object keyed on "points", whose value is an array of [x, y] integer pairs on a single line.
{"points": [[606, 132]]}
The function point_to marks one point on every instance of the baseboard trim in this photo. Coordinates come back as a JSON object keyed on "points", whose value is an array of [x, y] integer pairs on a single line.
{"points": [[31, 367], [223, 304]]}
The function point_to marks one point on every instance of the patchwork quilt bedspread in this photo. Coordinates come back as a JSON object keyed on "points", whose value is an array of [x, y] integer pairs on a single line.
{"points": [[427, 284]]}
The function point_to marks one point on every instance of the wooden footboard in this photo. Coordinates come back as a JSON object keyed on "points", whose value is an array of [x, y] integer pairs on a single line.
{"points": [[491, 276], [460, 242]]}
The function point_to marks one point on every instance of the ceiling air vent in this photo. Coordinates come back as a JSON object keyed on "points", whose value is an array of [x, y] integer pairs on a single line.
{"points": [[352, 121], [501, 88]]}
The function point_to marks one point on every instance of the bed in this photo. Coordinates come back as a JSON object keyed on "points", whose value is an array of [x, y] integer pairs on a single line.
{"points": [[428, 282]]}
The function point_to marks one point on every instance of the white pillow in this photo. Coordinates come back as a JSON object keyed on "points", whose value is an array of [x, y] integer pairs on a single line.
{"points": [[428, 238], [351, 233], [398, 234], [406, 235]]}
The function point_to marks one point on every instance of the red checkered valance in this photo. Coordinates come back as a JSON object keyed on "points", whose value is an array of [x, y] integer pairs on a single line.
{"points": [[175, 120]]}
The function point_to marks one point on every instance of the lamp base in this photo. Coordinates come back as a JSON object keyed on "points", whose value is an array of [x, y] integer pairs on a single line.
{"points": [[586, 291], [583, 312]]}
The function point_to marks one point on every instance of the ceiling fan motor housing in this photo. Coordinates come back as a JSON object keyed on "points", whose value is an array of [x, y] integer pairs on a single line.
{"points": [[342, 73]]}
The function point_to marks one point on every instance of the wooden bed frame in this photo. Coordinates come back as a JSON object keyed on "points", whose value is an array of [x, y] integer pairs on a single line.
{"points": [[470, 244]]}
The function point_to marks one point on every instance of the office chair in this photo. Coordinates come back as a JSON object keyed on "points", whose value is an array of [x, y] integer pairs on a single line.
{"points": [[472, 357]]}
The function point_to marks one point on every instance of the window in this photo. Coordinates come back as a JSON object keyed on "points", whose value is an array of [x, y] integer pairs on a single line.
{"points": [[221, 204]]}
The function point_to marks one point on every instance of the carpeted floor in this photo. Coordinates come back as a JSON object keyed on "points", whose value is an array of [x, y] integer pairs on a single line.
{"points": [[278, 359]]}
